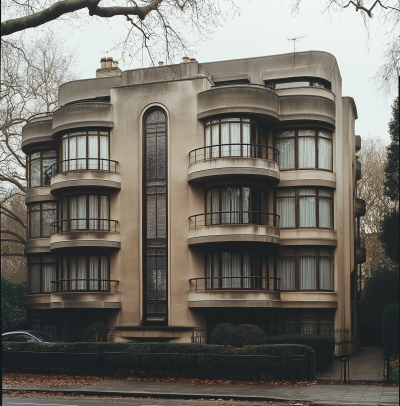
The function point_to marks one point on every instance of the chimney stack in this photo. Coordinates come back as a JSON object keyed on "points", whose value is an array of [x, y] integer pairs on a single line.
{"points": [[109, 62], [193, 60], [185, 59], [160, 63], [115, 63], [102, 63]]}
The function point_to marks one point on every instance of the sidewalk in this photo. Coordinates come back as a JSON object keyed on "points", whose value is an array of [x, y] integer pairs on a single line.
{"points": [[318, 393]]}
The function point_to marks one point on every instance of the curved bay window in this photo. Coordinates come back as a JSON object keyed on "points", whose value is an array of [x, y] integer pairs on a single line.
{"points": [[236, 270], [305, 268], [236, 204], [304, 149], [83, 150], [40, 217], [85, 272], [155, 225], [86, 212], [42, 269], [305, 208], [235, 137], [38, 167]]}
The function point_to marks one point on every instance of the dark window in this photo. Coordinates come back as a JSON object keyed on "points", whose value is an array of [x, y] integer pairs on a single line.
{"points": [[7, 338], [236, 204], [85, 272], [311, 321], [305, 268], [304, 149], [305, 208], [42, 270], [40, 216], [83, 150], [299, 82], [236, 270], [86, 212], [155, 220], [38, 167], [239, 138]]}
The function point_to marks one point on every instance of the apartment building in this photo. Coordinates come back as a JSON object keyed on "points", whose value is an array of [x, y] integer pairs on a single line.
{"points": [[166, 200]]}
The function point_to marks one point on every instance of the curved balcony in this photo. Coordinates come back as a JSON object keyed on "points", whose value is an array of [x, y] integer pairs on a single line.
{"points": [[85, 233], [37, 132], [231, 291], [231, 226], [224, 160], [358, 142], [308, 236], [361, 252], [358, 170], [82, 115], [307, 107], [38, 194], [37, 245], [306, 91], [84, 173], [360, 207], [309, 177], [258, 100]]}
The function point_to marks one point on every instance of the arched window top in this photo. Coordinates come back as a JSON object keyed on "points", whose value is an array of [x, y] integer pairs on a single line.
{"points": [[156, 116]]}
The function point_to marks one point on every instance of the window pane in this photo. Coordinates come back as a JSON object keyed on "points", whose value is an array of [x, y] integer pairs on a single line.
{"points": [[291, 84], [235, 139], [307, 212], [215, 206], [49, 274], [34, 279], [161, 278], [104, 212], [308, 274], [81, 267], [306, 152], [325, 273], [47, 171], [65, 165], [246, 139], [93, 272], [93, 212], [325, 213], [72, 154], [151, 278], [151, 216], [225, 204], [48, 217], [161, 164], [235, 204], [93, 152], [286, 209], [208, 142], [104, 272], [286, 153], [35, 173], [215, 141], [34, 226], [226, 269], [104, 153], [286, 272], [324, 154], [307, 192], [151, 157], [162, 216]]}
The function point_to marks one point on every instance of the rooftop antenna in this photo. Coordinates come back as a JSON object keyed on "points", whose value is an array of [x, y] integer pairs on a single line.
{"points": [[294, 47]]}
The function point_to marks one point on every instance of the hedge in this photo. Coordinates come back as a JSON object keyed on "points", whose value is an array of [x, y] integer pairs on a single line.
{"points": [[390, 329], [224, 334], [248, 334], [324, 346], [167, 359]]}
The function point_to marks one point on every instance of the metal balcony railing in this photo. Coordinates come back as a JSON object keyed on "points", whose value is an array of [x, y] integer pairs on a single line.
{"points": [[84, 224], [243, 84], [82, 164], [234, 217], [85, 285], [235, 150], [235, 283], [38, 115]]}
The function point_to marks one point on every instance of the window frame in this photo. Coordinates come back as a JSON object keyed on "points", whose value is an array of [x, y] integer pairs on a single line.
{"points": [[28, 215], [297, 206], [297, 268], [67, 228], [41, 158], [311, 80], [87, 255], [41, 263], [296, 146], [79, 133]]}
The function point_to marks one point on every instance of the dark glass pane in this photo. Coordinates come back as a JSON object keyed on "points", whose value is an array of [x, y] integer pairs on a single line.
{"points": [[156, 116], [151, 278], [161, 216], [151, 216], [151, 158], [161, 157], [35, 173], [161, 278]]}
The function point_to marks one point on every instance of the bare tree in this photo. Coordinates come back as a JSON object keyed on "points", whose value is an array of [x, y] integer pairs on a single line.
{"points": [[387, 14], [30, 77], [159, 26], [373, 157]]}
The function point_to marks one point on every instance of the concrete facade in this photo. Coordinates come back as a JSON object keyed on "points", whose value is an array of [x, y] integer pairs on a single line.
{"points": [[191, 95]]}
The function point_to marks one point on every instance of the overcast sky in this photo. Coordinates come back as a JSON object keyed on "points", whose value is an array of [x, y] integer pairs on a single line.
{"points": [[263, 28]]}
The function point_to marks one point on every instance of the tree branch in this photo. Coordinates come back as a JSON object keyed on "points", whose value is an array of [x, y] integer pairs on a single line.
{"points": [[7, 231], [13, 216], [359, 6], [13, 181], [12, 240], [69, 6]]}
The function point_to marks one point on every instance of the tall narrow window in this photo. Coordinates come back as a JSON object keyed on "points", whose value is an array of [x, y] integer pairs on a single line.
{"points": [[155, 221]]}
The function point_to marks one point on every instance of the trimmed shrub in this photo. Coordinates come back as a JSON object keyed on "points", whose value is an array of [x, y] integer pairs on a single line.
{"points": [[162, 359], [248, 334], [390, 329], [323, 346], [96, 332], [224, 334]]}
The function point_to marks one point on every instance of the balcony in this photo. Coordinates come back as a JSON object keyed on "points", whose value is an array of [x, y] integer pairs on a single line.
{"points": [[84, 173], [360, 207], [361, 252], [85, 233], [78, 294], [249, 98], [358, 142], [234, 226], [224, 160], [37, 131], [240, 291], [82, 115], [37, 245], [358, 170]]}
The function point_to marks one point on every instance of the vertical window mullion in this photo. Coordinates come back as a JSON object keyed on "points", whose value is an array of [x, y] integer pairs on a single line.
{"points": [[297, 270]]}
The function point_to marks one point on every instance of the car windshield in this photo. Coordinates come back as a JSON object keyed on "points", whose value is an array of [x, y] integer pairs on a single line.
{"points": [[44, 337]]}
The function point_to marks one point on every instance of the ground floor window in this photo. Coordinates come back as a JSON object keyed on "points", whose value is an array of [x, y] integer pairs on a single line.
{"points": [[305, 321]]}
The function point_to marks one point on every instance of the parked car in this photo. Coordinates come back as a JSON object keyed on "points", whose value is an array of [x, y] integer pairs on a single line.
{"points": [[27, 336]]}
